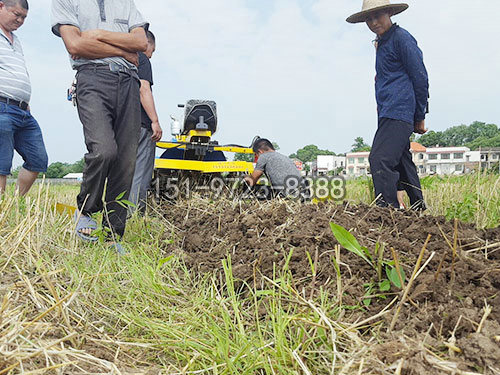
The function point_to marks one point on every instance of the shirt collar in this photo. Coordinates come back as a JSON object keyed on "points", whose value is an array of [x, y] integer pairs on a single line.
{"points": [[389, 33], [5, 36]]}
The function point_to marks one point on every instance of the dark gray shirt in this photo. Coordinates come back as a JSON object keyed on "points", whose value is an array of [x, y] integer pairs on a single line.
{"points": [[278, 169], [111, 15]]}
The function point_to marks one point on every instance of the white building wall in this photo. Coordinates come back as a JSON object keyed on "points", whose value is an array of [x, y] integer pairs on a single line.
{"points": [[330, 163]]}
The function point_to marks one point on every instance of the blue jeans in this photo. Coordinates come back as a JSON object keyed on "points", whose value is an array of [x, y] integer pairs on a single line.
{"points": [[20, 131]]}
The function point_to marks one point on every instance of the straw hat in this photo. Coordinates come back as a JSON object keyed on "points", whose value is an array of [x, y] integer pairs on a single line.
{"points": [[370, 6]]}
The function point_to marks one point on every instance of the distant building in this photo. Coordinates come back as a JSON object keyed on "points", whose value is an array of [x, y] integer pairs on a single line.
{"points": [[418, 153], [74, 176], [299, 164], [490, 157], [472, 161], [431, 160], [357, 164], [445, 160], [329, 163]]}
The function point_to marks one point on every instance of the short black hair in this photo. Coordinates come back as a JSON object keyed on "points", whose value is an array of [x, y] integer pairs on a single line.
{"points": [[262, 144], [151, 37], [13, 3]]}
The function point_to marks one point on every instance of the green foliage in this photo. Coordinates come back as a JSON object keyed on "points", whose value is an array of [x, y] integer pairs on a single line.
{"points": [[310, 153], [393, 277], [464, 210], [484, 142], [478, 134], [348, 241], [360, 145], [244, 157], [59, 170]]}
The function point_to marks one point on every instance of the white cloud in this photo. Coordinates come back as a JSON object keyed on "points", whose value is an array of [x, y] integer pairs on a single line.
{"points": [[290, 70]]}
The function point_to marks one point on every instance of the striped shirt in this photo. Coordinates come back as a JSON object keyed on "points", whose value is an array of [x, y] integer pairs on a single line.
{"points": [[14, 78]]}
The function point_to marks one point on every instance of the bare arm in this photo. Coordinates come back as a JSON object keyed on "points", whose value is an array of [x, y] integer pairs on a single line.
{"points": [[148, 104], [254, 177], [135, 41], [81, 46]]}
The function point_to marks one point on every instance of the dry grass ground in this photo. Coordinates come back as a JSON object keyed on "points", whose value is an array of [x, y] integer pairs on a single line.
{"points": [[71, 308]]}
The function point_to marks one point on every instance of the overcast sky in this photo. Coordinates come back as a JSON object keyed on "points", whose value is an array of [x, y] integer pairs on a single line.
{"points": [[290, 70]]}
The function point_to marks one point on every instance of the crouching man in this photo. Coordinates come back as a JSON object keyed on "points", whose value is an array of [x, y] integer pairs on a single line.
{"points": [[283, 175]]}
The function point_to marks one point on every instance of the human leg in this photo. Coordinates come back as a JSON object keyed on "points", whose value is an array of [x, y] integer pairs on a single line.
{"points": [[96, 91], [143, 170], [126, 129], [410, 180], [6, 145], [388, 147], [3, 184], [28, 142], [25, 180]]}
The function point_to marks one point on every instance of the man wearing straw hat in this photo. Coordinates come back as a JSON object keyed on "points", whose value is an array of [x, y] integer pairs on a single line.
{"points": [[402, 92]]}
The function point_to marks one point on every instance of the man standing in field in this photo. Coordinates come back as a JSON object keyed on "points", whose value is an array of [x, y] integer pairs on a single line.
{"points": [[150, 130], [103, 38], [402, 91], [18, 128]]}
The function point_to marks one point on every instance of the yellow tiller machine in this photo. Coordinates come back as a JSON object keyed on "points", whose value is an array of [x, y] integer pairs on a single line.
{"points": [[193, 157]]}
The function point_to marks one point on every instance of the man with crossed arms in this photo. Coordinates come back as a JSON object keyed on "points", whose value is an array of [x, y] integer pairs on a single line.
{"points": [[103, 38]]}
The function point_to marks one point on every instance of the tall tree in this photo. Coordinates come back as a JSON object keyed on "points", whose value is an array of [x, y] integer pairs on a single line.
{"points": [[310, 153], [461, 135], [484, 142], [360, 145]]}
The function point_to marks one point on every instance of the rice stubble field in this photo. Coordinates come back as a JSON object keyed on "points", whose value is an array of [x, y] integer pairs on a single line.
{"points": [[228, 287]]}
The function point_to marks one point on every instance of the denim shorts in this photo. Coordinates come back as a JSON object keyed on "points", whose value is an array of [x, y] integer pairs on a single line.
{"points": [[20, 131]]}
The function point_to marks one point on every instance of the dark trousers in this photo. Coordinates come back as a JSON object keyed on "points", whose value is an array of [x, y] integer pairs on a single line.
{"points": [[391, 162], [109, 109], [143, 170]]}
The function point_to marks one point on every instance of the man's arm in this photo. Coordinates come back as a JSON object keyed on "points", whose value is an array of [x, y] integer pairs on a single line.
{"points": [[148, 104], [135, 41], [254, 177], [81, 46], [413, 61]]}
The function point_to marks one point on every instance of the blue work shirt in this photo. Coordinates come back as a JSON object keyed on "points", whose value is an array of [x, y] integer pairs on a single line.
{"points": [[402, 84]]}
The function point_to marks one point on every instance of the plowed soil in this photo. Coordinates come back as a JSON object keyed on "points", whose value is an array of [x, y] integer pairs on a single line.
{"points": [[446, 303]]}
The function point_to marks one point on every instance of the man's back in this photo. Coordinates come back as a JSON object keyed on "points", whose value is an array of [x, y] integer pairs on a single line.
{"points": [[278, 168]]}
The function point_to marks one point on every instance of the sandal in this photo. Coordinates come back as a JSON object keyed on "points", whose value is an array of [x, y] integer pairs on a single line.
{"points": [[84, 222]]}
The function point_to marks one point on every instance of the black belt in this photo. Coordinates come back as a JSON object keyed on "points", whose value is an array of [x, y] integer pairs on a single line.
{"points": [[23, 105], [111, 67]]}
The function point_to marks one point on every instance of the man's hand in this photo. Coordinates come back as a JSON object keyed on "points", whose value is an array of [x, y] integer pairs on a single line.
{"points": [[157, 132], [420, 127], [131, 57], [99, 35], [85, 46], [249, 180]]}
